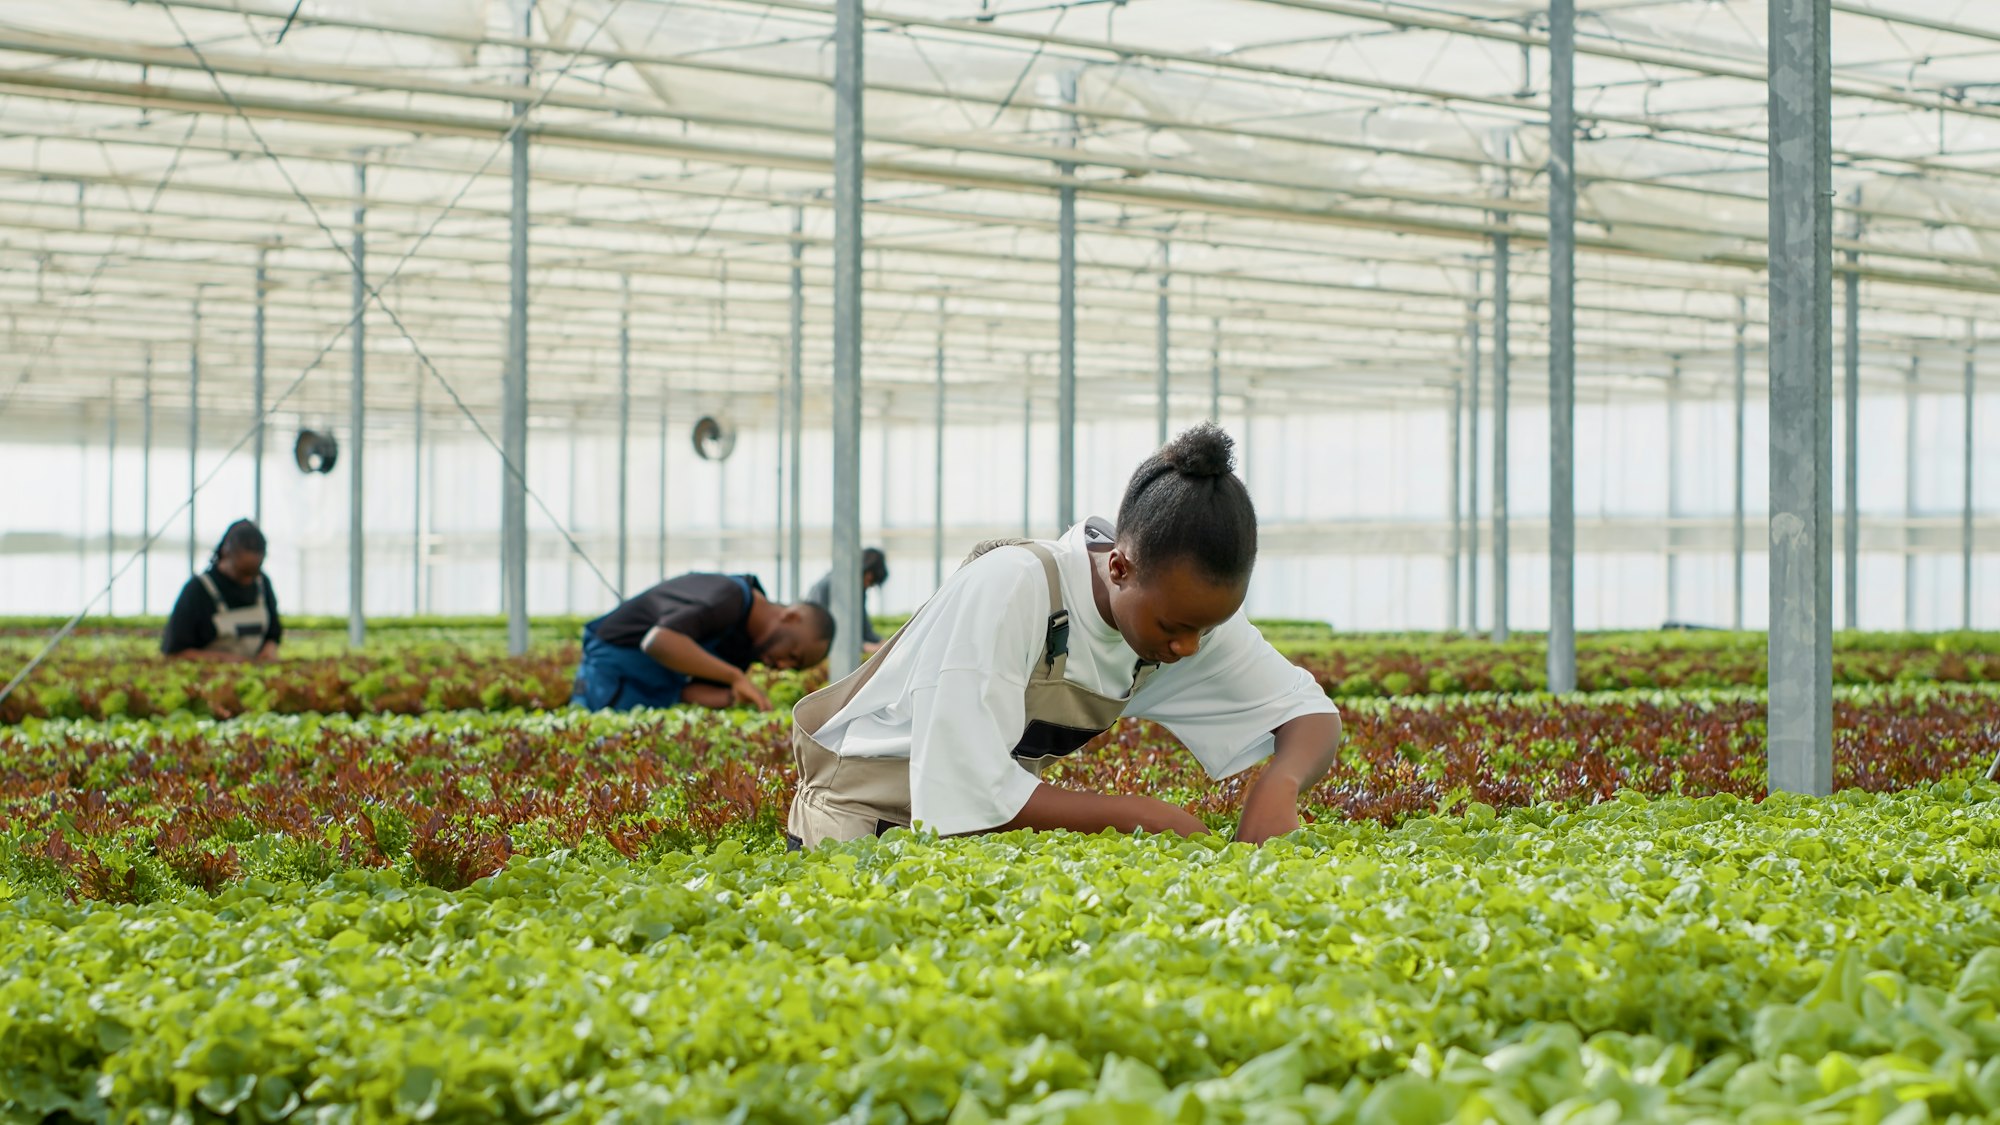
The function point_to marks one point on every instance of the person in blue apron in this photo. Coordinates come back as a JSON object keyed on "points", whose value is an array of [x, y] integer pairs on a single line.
{"points": [[228, 613], [693, 639], [1033, 648]]}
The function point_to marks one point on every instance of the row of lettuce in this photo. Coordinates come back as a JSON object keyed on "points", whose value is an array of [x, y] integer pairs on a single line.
{"points": [[1667, 960], [414, 670], [140, 811]]}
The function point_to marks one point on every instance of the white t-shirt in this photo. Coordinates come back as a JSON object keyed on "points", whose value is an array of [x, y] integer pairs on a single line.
{"points": [[951, 695]]}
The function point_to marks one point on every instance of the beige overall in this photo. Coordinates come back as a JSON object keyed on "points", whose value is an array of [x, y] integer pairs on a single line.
{"points": [[239, 631], [847, 798]]}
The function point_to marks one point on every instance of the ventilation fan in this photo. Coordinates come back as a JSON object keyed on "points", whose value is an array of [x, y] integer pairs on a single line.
{"points": [[315, 452], [714, 438]]}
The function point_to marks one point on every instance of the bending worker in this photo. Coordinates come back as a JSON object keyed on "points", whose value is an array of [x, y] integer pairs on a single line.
{"points": [[693, 639], [874, 572], [1032, 649], [227, 614]]}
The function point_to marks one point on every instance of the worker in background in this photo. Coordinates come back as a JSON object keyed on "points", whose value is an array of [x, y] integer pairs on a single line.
{"points": [[693, 639], [227, 614], [1034, 648], [874, 572]]}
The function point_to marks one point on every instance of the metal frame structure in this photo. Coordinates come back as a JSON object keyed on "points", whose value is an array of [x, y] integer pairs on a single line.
{"points": [[1331, 227]]}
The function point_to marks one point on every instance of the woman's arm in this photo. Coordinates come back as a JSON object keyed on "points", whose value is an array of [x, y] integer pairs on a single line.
{"points": [[1307, 747], [204, 656], [1050, 808]]}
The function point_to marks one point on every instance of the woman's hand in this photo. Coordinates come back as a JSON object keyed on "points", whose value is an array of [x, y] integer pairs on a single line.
{"points": [[268, 654]]}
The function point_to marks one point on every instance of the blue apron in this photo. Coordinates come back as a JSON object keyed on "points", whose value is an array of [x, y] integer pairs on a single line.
{"points": [[613, 678]]}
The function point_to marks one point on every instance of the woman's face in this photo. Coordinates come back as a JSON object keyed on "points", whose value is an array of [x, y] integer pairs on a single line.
{"points": [[240, 565], [1165, 613]]}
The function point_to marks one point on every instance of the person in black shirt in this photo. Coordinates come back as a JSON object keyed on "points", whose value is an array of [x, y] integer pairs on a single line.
{"points": [[228, 613], [874, 572], [693, 639]]}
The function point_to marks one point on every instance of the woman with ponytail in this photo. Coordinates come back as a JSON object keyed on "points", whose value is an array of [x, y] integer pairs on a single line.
{"points": [[227, 614], [1034, 648]]}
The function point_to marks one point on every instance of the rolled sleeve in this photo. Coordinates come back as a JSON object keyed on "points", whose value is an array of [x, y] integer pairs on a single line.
{"points": [[963, 777]]}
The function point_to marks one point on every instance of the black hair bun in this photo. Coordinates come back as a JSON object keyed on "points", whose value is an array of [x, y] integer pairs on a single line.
{"points": [[1203, 451]]}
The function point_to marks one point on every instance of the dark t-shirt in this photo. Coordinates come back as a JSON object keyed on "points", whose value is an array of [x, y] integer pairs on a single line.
{"points": [[707, 607], [192, 624]]}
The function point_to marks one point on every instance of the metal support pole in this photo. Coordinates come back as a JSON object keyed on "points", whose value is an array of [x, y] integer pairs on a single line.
{"points": [[663, 484], [1673, 488], [194, 422], [1562, 353], [847, 145], [1161, 330], [111, 498], [624, 432], [569, 517], [1737, 527], [1965, 513], [146, 483], [1215, 370], [257, 397], [797, 392], [1800, 737], [1472, 462], [514, 382], [1851, 458], [357, 417], [1027, 451], [417, 499], [1911, 497], [1455, 505], [1066, 328], [937, 463], [1503, 368]]}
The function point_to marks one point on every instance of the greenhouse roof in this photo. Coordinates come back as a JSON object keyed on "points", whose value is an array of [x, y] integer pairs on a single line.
{"points": [[1311, 188]]}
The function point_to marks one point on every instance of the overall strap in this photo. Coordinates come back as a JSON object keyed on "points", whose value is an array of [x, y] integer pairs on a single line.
{"points": [[749, 599], [208, 584], [1055, 649]]}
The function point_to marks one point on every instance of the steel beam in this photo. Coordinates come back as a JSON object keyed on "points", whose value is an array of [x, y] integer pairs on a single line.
{"points": [[1912, 498], [417, 498], [1503, 389], [1970, 450], [662, 572], [1800, 737], [797, 394], [624, 432], [146, 483], [514, 380], [1562, 352], [111, 499], [1472, 461], [257, 397], [1164, 377], [1673, 598], [937, 463], [1455, 505], [1066, 324], [357, 419], [1215, 370], [1027, 450], [1737, 529], [1851, 456], [847, 249], [194, 424]]}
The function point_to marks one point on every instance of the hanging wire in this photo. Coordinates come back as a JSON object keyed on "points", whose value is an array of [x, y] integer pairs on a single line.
{"points": [[374, 296]]}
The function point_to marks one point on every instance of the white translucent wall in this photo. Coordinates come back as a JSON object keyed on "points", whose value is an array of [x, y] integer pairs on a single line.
{"points": [[1332, 489]]}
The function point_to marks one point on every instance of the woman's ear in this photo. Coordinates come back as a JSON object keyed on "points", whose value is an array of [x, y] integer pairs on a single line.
{"points": [[1119, 566]]}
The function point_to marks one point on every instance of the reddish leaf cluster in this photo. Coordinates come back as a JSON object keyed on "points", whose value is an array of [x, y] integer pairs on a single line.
{"points": [[453, 803]]}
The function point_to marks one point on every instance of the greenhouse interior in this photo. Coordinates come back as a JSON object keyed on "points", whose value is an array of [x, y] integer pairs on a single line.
{"points": [[1616, 384]]}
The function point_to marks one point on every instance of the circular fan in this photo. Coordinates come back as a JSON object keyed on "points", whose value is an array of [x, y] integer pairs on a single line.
{"points": [[315, 452], [714, 438]]}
